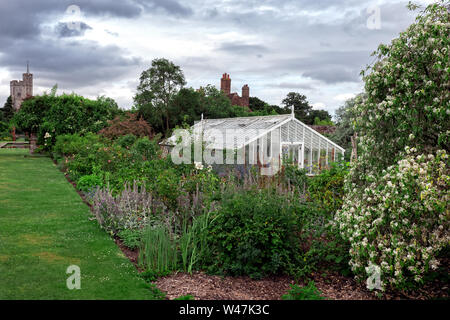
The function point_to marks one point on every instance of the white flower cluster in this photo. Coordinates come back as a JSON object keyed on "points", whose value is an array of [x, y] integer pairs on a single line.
{"points": [[401, 221]]}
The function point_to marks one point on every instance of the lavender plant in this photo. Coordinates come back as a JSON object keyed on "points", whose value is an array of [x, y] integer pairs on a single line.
{"points": [[132, 209]]}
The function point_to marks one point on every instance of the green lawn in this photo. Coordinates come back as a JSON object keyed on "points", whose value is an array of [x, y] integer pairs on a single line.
{"points": [[44, 228]]}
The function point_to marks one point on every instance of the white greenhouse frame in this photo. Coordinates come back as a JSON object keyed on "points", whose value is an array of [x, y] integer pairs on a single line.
{"points": [[315, 151]]}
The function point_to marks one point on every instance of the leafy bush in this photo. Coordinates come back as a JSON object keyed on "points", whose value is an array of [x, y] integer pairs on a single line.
{"points": [[50, 116], [309, 292], [89, 182], [295, 176], [327, 188], [127, 125], [126, 141], [131, 238], [395, 211], [146, 149], [71, 144], [131, 209], [253, 233], [400, 223]]}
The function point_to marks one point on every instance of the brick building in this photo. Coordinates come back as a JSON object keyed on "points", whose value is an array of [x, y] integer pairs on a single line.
{"points": [[236, 100]]}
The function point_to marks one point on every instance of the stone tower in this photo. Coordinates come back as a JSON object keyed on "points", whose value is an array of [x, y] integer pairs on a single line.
{"points": [[20, 90]]}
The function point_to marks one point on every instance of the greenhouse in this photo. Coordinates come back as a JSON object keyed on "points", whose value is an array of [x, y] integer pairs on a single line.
{"points": [[264, 140]]}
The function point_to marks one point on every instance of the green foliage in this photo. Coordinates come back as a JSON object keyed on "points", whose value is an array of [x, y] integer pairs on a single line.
{"points": [[157, 87], [258, 105], [50, 116], [126, 141], [158, 251], [131, 238], [319, 118], [253, 233], [344, 126], [186, 297], [395, 212], [7, 112], [300, 104], [308, 292], [72, 144], [327, 188], [89, 182], [400, 222], [146, 149], [295, 176]]}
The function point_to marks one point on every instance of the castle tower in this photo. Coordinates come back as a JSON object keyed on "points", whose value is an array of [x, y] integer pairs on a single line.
{"points": [[245, 95], [20, 90], [225, 84]]}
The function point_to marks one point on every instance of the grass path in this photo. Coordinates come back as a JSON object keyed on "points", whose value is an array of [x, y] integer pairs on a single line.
{"points": [[44, 228]]}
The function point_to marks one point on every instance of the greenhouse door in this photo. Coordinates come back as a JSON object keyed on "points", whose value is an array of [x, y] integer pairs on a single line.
{"points": [[293, 151]]}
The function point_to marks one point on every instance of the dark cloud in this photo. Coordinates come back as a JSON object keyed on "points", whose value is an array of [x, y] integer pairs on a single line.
{"points": [[74, 64], [71, 29], [169, 6], [272, 43], [242, 48]]}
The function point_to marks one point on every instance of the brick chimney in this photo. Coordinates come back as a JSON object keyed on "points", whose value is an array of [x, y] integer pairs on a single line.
{"points": [[246, 95], [225, 84]]}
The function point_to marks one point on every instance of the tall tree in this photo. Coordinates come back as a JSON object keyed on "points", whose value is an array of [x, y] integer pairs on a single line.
{"points": [[318, 117], [344, 126], [300, 104], [256, 104], [158, 85], [7, 112]]}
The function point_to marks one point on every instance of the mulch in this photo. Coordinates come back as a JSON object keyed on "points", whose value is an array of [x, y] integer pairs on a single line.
{"points": [[332, 285]]}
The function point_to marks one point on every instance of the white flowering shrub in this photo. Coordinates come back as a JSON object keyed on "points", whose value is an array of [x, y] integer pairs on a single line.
{"points": [[395, 211], [400, 221]]}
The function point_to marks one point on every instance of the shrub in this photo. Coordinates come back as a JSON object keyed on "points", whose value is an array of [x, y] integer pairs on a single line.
{"points": [[253, 233], [146, 149], [50, 116], [400, 222], [309, 292], [128, 124], [327, 188], [126, 141], [131, 209], [394, 202], [131, 238], [71, 144], [89, 182]]}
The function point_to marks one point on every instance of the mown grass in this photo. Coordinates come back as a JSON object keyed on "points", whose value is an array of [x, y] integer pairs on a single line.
{"points": [[44, 228]]}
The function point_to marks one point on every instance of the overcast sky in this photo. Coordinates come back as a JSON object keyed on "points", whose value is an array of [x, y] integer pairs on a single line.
{"points": [[315, 47]]}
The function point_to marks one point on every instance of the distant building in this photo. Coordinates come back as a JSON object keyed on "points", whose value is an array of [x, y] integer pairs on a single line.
{"points": [[236, 100], [21, 89]]}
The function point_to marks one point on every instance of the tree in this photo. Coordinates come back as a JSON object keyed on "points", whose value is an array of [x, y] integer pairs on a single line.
{"points": [[158, 85], [344, 126], [49, 116], [319, 117], [258, 105], [395, 211], [126, 125], [7, 112], [300, 104], [186, 107]]}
